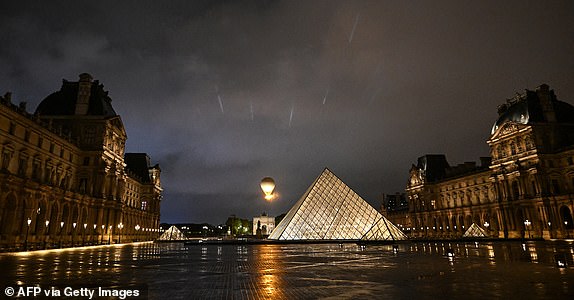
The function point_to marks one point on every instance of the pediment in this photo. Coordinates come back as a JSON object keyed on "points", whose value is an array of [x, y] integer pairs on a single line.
{"points": [[506, 129], [415, 176]]}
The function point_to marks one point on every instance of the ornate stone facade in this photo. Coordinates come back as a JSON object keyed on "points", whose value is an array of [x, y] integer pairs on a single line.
{"points": [[64, 177], [525, 191]]}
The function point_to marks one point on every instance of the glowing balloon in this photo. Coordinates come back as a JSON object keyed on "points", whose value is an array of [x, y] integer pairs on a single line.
{"points": [[268, 185]]}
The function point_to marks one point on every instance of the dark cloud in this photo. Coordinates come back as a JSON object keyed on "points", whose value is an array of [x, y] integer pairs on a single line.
{"points": [[397, 80]]}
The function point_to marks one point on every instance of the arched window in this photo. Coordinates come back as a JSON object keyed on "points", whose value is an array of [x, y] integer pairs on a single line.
{"points": [[8, 217], [512, 148], [566, 216], [515, 190]]}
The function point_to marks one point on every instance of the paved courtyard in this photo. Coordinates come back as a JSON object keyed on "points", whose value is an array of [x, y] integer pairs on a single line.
{"points": [[510, 270]]}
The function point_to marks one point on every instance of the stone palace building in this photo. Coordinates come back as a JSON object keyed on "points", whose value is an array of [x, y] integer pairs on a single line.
{"points": [[525, 190], [64, 177]]}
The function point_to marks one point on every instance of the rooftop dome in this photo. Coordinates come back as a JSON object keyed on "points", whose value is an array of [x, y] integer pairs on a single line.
{"points": [[67, 100], [528, 108]]}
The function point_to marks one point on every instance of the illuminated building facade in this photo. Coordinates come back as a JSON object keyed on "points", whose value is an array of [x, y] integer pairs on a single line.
{"points": [[264, 223], [330, 210], [525, 191], [64, 177]]}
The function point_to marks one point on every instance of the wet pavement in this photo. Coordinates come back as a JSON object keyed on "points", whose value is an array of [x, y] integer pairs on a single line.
{"points": [[509, 270]]}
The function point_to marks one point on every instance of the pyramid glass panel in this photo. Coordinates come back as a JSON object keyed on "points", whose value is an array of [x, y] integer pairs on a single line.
{"points": [[330, 210]]}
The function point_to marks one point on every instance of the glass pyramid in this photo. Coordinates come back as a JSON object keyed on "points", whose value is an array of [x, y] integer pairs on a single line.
{"points": [[330, 210], [172, 234], [474, 231]]}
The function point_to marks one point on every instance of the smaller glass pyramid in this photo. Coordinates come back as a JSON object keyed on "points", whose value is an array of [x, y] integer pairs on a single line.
{"points": [[330, 210], [172, 234], [474, 231]]}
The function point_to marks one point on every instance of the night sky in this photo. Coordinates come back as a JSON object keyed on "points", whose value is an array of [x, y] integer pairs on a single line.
{"points": [[224, 93]]}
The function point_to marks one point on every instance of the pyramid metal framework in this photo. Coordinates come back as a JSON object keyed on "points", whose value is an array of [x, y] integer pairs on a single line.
{"points": [[474, 231], [172, 234], [330, 210]]}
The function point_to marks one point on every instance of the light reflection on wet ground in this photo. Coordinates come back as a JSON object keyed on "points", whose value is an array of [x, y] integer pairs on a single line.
{"points": [[422, 270]]}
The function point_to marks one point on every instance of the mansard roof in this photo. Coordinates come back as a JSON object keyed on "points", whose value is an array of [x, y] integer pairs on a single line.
{"points": [[138, 164], [527, 109], [63, 102]]}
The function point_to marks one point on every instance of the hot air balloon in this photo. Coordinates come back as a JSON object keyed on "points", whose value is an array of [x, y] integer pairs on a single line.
{"points": [[268, 185]]}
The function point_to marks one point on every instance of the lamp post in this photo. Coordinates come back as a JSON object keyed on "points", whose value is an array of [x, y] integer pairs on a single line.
{"points": [[137, 231], [47, 233], [526, 224], [120, 226], [61, 227], [73, 232], [29, 221], [94, 235], [566, 228], [102, 234], [84, 235], [110, 235], [486, 224]]}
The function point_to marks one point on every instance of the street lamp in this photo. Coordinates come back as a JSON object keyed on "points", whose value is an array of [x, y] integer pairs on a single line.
{"points": [[486, 224], [46, 239], [94, 234], [110, 235], [102, 238], [137, 230], [84, 235], [73, 232], [61, 227], [120, 226], [526, 224], [566, 228], [29, 221]]}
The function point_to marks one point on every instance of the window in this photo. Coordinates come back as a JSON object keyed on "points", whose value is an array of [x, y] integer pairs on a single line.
{"points": [[515, 190], [144, 205], [12, 129], [51, 147], [36, 169], [22, 165], [27, 135], [555, 186], [40, 142], [83, 185], [48, 174], [86, 161], [6, 157]]}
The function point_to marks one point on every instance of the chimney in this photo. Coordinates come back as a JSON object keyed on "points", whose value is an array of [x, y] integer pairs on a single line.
{"points": [[84, 90], [546, 98]]}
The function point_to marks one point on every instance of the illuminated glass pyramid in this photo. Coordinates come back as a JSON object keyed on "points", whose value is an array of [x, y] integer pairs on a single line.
{"points": [[172, 234], [474, 231], [330, 210]]}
